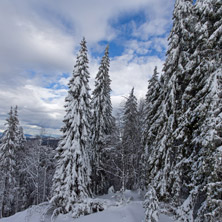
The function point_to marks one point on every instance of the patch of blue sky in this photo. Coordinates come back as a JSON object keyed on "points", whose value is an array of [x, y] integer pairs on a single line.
{"points": [[57, 84], [54, 85], [123, 26], [159, 54], [125, 23], [158, 46], [115, 49], [55, 94], [65, 75]]}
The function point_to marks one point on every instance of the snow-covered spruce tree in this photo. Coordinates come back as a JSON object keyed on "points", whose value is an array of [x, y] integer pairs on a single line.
{"points": [[151, 103], [166, 143], [152, 156], [113, 164], [131, 142], [151, 205], [176, 77], [102, 124], [211, 209], [151, 127], [20, 155], [205, 112], [8, 170], [71, 182], [195, 130], [20, 196], [205, 200]]}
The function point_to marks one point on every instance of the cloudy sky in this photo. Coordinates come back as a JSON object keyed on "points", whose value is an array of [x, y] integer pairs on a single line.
{"points": [[39, 41]]}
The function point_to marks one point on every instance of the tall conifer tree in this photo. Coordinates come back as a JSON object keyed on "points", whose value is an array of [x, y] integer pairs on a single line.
{"points": [[175, 79], [102, 124], [20, 155], [131, 142], [72, 177], [151, 126], [205, 113], [8, 169]]}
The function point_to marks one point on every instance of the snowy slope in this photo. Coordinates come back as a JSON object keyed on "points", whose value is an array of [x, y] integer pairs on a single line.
{"points": [[128, 212]]}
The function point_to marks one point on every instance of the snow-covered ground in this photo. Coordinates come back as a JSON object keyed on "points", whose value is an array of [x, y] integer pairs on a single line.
{"points": [[130, 211]]}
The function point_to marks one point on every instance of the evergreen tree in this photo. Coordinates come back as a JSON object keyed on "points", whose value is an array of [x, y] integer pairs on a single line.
{"points": [[19, 131], [114, 162], [209, 157], [205, 112], [8, 183], [20, 196], [177, 78], [23, 201], [102, 124], [131, 143], [151, 103], [72, 177], [164, 141], [152, 115]]}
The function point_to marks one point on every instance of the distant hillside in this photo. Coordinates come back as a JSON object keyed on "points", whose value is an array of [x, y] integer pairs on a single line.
{"points": [[51, 141], [46, 140]]}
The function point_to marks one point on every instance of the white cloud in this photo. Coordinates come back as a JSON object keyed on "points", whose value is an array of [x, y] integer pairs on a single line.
{"points": [[155, 27], [138, 47], [158, 21], [128, 71], [37, 105]]}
